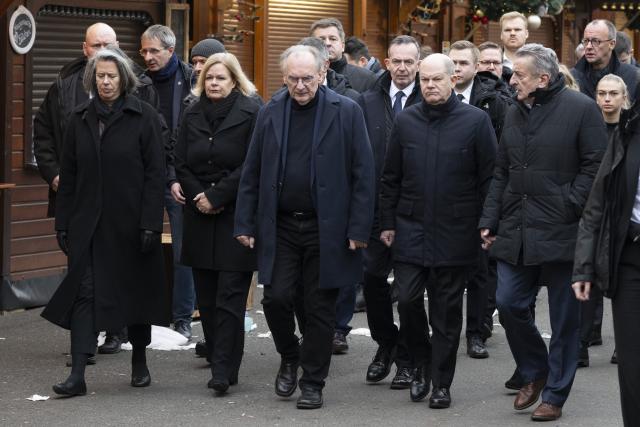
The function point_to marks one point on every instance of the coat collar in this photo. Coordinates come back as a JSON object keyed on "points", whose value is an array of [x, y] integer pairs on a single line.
{"points": [[241, 110]]}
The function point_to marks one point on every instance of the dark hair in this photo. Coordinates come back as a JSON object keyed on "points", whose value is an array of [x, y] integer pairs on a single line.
{"points": [[326, 23], [489, 45], [356, 48], [623, 43]]}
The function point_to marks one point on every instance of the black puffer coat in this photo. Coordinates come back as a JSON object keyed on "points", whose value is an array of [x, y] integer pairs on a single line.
{"points": [[547, 159]]}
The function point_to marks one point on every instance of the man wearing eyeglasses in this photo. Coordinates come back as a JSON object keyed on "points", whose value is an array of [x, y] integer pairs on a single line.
{"points": [[305, 203], [171, 77], [600, 59], [396, 90]]}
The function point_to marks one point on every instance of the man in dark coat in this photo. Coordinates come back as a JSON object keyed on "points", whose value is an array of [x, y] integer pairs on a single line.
{"points": [[600, 59], [172, 79], [435, 175], [50, 123], [397, 89], [330, 30], [357, 54], [306, 200], [485, 91], [551, 146]]}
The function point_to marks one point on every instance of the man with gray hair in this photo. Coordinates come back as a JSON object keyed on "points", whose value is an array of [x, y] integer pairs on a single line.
{"points": [[549, 153], [436, 172], [172, 79], [305, 203], [600, 59]]}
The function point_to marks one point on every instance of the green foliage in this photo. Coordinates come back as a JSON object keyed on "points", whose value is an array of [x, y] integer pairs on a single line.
{"points": [[493, 10]]}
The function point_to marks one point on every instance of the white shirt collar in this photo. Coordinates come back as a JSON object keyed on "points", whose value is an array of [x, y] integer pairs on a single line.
{"points": [[393, 89], [466, 93]]}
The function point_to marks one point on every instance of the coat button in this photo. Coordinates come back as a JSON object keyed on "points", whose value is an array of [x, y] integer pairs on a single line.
{"points": [[524, 166], [524, 197], [211, 138], [209, 162]]}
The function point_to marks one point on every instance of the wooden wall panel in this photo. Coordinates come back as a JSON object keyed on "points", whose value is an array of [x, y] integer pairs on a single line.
{"points": [[239, 18], [543, 35], [288, 21], [377, 28]]}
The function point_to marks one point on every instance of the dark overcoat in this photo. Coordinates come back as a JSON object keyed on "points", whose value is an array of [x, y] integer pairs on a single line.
{"points": [[211, 163], [546, 162], [437, 170], [342, 186], [111, 187]]}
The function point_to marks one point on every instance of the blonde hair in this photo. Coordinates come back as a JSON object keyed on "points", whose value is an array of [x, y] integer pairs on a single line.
{"points": [[568, 78], [514, 15], [229, 60], [623, 87]]}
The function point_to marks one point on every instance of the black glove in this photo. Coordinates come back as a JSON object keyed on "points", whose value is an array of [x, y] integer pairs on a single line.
{"points": [[63, 241], [148, 239]]}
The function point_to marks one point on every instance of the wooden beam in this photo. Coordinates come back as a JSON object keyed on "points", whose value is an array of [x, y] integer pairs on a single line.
{"points": [[394, 18], [5, 150], [201, 22], [4, 5], [260, 47], [360, 18]]}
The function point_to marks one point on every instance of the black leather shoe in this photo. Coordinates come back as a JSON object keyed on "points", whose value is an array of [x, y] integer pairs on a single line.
{"points": [[340, 345], [111, 345], [515, 382], [71, 388], [287, 379], [220, 386], [201, 348], [419, 387], [440, 398], [595, 338], [183, 327], [614, 357], [476, 348], [583, 358], [91, 360], [141, 378], [380, 367], [402, 379], [311, 398]]}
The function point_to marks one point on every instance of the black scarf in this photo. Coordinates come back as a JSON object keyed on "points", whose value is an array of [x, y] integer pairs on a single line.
{"points": [[105, 112], [339, 65], [216, 111]]}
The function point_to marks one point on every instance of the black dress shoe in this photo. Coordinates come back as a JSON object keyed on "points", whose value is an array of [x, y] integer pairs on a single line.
{"points": [[583, 357], [402, 379], [220, 386], [419, 387], [183, 327], [476, 348], [595, 338], [111, 344], [71, 388], [287, 379], [141, 377], [440, 398], [380, 367], [614, 357], [515, 382], [201, 348], [340, 345], [311, 398]]}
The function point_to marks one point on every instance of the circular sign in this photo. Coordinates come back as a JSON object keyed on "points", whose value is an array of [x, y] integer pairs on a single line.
{"points": [[22, 30]]}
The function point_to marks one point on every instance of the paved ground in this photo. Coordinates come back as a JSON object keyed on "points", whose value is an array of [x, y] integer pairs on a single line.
{"points": [[32, 359]]}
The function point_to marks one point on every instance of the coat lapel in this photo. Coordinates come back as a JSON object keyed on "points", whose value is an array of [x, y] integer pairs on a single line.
{"points": [[236, 116], [331, 108], [632, 166], [91, 119]]}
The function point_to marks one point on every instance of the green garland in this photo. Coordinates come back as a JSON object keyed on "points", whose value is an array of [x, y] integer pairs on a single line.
{"points": [[493, 10]]}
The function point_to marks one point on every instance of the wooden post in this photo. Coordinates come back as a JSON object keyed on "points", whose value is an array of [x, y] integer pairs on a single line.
{"points": [[260, 48]]}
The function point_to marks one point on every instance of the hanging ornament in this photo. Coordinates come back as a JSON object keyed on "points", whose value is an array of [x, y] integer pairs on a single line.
{"points": [[479, 13], [534, 22]]}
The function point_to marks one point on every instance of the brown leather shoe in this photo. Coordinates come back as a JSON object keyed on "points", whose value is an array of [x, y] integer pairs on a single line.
{"points": [[529, 394], [546, 412]]}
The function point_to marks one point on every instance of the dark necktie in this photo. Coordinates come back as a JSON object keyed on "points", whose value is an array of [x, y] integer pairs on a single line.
{"points": [[397, 104], [460, 97]]}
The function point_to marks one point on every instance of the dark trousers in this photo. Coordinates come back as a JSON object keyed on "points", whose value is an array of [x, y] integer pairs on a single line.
{"points": [[298, 261], [481, 289], [626, 318], [517, 290], [222, 299], [83, 333], [345, 305], [591, 317], [377, 294], [445, 292]]}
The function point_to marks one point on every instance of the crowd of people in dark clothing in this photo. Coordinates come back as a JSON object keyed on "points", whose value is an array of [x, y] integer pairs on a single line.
{"points": [[492, 170]]}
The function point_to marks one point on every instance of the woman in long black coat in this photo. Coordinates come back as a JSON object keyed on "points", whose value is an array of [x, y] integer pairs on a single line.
{"points": [[212, 143], [109, 219]]}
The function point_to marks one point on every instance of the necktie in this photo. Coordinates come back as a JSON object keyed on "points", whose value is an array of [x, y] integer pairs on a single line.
{"points": [[397, 104], [460, 97]]}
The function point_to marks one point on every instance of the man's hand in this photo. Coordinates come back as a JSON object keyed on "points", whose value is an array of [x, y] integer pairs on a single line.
{"points": [[203, 204], [487, 238], [247, 241], [176, 192], [55, 183], [356, 244], [387, 237], [582, 289]]}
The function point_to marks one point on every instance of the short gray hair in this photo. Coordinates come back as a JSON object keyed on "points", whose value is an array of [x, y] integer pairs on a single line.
{"points": [[162, 34], [611, 29], [297, 50], [404, 39], [318, 44], [545, 60], [128, 80]]}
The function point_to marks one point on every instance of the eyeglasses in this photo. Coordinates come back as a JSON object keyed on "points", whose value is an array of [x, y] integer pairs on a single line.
{"points": [[153, 51], [594, 42], [306, 80], [487, 63]]}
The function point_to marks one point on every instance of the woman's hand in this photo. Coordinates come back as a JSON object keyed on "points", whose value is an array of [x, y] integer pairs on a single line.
{"points": [[204, 206]]}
